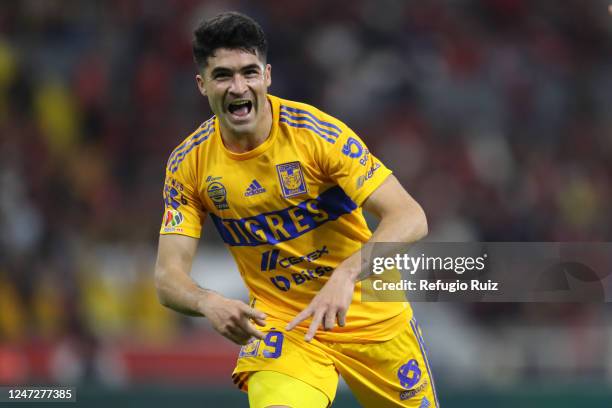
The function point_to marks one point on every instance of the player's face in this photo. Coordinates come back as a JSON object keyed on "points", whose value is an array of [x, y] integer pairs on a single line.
{"points": [[236, 83]]}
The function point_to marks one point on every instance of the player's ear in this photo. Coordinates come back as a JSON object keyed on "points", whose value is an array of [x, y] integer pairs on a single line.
{"points": [[201, 86], [268, 75]]}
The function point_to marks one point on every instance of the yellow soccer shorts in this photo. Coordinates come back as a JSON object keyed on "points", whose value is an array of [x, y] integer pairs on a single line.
{"points": [[393, 373], [271, 388]]}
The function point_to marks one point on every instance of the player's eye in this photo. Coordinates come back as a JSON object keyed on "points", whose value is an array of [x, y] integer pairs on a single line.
{"points": [[221, 75]]}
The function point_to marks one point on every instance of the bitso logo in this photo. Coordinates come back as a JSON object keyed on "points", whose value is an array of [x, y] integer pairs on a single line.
{"points": [[352, 148], [291, 179], [300, 278], [270, 260], [218, 195], [281, 282]]}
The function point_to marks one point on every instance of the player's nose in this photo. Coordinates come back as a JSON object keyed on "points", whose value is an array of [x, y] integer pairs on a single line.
{"points": [[238, 85]]}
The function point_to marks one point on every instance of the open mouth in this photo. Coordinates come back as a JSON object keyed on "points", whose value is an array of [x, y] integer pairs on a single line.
{"points": [[240, 108]]}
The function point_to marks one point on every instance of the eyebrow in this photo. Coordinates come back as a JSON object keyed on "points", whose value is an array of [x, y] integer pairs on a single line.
{"points": [[219, 70], [251, 66]]}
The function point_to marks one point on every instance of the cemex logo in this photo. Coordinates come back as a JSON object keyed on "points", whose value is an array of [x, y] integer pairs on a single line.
{"points": [[270, 259]]}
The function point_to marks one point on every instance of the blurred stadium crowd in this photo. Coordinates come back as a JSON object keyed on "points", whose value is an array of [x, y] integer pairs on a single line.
{"points": [[496, 115]]}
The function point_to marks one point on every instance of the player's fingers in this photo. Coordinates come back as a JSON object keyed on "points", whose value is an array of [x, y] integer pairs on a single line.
{"points": [[251, 331], [316, 322], [243, 335], [342, 318], [236, 336], [303, 315], [330, 319], [255, 314]]}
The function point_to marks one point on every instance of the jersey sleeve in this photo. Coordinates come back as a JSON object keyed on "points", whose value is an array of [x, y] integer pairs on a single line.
{"points": [[350, 164], [184, 213]]}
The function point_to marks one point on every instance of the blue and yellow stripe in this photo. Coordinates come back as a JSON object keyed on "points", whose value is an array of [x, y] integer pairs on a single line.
{"points": [[181, 146], [303, 119], [179, 154], [417, 333]]}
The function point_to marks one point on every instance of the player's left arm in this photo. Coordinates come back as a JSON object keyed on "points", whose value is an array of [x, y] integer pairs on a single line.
{"points": [[402, 219]]}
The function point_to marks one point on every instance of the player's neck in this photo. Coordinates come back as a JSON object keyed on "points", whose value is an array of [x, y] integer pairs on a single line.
{"points": [[244, 142]]}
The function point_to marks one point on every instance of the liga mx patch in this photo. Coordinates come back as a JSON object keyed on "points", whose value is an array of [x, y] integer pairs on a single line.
{"points": [[172, 218], [291, 179]]}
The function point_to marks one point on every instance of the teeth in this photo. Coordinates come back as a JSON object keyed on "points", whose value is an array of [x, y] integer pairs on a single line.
{"points": [[235, 105]]}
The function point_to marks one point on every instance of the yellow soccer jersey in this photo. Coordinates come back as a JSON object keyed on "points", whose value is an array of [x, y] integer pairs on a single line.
{"points": [[289, 210]]}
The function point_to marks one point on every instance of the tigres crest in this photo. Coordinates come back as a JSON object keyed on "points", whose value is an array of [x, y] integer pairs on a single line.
{"points": [[291, 179]]}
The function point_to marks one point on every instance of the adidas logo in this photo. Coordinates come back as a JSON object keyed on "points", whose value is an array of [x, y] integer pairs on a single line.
{"points": [[254, 188]]}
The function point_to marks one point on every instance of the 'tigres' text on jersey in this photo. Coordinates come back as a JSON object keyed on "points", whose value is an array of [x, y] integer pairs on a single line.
{"points": [[289, 210]]}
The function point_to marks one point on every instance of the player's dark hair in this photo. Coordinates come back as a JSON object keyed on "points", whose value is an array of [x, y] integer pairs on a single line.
{"points": [[228, 30]]}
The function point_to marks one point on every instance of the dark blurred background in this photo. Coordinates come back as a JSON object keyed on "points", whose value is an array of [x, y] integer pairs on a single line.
{"points": [[496, 115]]}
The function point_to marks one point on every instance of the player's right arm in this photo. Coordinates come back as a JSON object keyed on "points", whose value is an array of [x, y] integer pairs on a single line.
{"points": [[184, 214], [177, 290]]}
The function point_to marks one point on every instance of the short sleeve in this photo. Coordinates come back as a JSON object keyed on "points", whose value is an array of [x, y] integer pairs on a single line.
{"points": [[184, 213], [353, 167]]}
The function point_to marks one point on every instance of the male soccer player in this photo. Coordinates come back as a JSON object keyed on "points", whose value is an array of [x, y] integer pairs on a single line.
{"points": [[284, 184]]}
